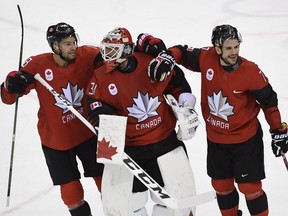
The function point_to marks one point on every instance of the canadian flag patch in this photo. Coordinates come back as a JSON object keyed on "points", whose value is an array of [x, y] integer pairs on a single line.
{"points": [[95, 105]]}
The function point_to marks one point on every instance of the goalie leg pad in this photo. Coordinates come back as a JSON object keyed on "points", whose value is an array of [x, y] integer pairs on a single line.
{"points": [[141, 212], [117, 182], [162, 210], [139, 201], [178, 178]]}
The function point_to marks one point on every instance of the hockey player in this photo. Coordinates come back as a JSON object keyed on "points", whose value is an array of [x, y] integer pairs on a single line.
{"points": [[122, 88], [233, 91], [63, 136]]}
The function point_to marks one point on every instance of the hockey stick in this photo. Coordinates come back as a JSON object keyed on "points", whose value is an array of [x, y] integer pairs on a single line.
{"points": [[284, 160], [15, 114], [136, 170]]}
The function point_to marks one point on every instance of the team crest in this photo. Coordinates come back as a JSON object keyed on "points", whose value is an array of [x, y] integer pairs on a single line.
{"points": [[112, 89], [49, 74], [209, 74]]}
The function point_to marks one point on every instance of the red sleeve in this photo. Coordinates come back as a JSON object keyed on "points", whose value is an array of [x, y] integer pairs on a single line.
{"points": [[177, 54]]}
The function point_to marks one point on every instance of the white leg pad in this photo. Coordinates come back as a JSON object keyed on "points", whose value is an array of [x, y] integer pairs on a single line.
{"points": [[117, 182], [139, 201], [178, 179], [162, 210], [141, 212]]}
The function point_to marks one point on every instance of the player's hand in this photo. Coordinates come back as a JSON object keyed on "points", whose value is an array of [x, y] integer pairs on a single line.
{"points": [[279, 140], [149, 44], [160, 67], [16, 83]]}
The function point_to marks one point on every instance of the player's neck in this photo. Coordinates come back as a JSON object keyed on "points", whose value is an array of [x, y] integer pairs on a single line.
{"points": [[59, 61]]}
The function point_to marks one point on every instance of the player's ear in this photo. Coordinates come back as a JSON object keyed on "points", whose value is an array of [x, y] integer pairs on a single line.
{"points": [[218, 50], [56, 48]]}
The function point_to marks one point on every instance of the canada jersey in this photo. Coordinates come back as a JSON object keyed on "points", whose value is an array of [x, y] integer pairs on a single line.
{"points": [[228, 106], [150, 118], [58, 127]]}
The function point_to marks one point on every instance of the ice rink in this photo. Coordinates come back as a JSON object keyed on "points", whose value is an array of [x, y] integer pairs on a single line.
{"points": [[264, 28]]}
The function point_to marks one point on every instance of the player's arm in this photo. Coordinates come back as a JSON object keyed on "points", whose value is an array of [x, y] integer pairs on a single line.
{"points": [[268, 100], [95, 104], [178, 83], [186, 56]]}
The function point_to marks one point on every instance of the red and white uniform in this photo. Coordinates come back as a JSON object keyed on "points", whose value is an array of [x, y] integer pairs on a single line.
{"points": [[58, 128], [230, 101], [133, 94]]}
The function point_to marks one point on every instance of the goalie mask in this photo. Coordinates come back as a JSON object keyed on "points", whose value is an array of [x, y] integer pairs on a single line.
{"points": [[117, 44], [223, 33]]}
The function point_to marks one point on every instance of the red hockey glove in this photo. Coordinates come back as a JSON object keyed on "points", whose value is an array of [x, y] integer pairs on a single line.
{"points": [[16, 83], [160, 67], [279, 140], [149, 44]]}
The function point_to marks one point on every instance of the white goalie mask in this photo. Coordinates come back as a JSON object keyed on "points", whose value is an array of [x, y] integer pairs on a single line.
{"points": [[117, 44]]}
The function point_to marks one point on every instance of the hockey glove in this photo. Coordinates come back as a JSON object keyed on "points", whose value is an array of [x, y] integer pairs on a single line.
{"points": [[279, 140], [149, 44], [187, 117], [16, 83], [160, 67]]}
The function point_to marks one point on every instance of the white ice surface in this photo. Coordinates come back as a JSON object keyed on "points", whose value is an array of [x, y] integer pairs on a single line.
{"points": [[263, 24]]}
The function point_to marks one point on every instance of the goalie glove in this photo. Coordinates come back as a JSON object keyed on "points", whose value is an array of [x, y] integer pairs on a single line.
{"points": [[187, 117], [279, 140]]}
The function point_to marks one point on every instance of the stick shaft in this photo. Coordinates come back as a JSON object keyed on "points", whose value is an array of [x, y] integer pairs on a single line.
{"points": [[15, 114], [285, 160]]}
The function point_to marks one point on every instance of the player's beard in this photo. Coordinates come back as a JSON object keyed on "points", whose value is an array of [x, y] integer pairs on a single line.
{"points": [[228, 61], [70, 57]]}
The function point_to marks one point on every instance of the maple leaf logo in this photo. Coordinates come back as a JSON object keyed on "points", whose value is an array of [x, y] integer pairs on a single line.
{"points": [[72, 94], [106, 151], [144, 107], [219, 106]]}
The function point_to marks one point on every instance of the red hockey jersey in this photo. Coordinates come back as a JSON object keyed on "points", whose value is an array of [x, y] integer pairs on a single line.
{"points": [[228, 105], [57, 126], [150, 118]]}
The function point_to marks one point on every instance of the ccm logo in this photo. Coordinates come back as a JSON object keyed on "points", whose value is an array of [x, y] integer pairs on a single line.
{"points": [[144, 178]]}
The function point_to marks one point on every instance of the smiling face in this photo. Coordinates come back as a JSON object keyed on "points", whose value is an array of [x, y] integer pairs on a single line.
{"points": [[229, 52], [65, 51], [68, 47]]}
